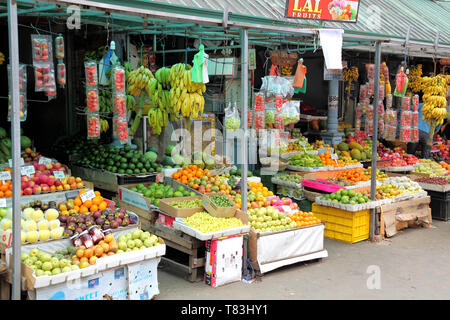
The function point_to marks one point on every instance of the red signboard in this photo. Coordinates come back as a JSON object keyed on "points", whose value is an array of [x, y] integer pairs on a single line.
{"points": [[331, 10], [444, 61]]}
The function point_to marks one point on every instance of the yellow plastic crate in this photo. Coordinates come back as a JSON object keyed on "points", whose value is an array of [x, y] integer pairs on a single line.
{"points": [[343, 225]]}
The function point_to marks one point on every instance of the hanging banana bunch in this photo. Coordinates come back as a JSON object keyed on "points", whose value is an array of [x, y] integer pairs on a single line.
{"points": [[138, 84], [415, 79], [349, 75], [434, 99], [185, 96], [104, 125]]}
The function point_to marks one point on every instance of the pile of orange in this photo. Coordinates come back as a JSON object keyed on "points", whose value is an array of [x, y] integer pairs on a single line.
{"points": [[6, 187], [97, 203], [200, 179], [256, 187], [353, 175], [327, 161], [303, 219], [88, 256], [445, 165]]}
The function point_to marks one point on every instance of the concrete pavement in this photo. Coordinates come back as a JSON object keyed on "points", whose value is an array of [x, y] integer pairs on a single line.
{"points": [[414, 264]]}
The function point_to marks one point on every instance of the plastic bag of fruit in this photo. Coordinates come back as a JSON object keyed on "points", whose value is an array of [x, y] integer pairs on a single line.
{"points": [[61, 71], [118, 80], [23, 107], [41, 49], [120, 129], [232, 119], [389, 101], [406, 104], [22, 78], [93, 125], [90, 70]]}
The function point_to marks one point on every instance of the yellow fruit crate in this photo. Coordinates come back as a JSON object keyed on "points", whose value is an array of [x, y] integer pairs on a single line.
{"points": [[343, 225]]}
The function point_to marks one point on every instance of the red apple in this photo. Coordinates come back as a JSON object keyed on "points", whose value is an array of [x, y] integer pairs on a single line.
{"points": [[37, 189], [57, 165], [43, 179], [45, 188], [28, 191], [58, 183], [51, 180]]}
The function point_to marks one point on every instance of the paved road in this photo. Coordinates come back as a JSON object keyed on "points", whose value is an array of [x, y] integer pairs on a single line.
{"points": [[413, 265]]}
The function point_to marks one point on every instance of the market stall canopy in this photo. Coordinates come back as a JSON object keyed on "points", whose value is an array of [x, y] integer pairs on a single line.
{"points": [[266, 21]]}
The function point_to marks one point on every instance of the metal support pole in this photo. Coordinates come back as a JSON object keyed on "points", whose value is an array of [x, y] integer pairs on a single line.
{"points": [[15, 133], [244, 122], [373, 178]]}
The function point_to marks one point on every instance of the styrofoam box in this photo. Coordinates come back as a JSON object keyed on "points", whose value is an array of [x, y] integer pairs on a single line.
{"points": [[178, 225]]}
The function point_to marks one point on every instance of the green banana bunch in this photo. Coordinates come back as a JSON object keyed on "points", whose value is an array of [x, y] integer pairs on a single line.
{"points": [[162, 75], [104, 125]]}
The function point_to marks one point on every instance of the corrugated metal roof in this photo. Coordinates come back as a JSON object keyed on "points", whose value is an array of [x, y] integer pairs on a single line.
{"points": [[425, 17]]}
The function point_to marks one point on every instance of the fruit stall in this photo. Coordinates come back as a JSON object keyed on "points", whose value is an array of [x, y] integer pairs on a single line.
{"points": [[101, 208]]}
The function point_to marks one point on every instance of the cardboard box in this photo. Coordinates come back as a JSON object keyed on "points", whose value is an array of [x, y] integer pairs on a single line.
{"points": [[224, 261], [214, 210], [176, 212]]}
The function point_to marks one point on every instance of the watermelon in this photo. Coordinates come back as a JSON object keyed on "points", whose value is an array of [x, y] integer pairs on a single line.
{"points": [[178, 159], [150, 155], [169, 149], [2, 133], [168, 161]]}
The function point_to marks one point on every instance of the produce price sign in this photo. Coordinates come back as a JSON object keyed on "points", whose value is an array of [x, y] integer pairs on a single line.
{"points": [[3, 203], [44, 160], [5, 175], [331, 10], [27, 170], [88, 195], [22, 162], [59, 175]]}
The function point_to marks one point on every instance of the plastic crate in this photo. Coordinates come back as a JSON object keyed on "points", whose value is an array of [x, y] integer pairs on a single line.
{"points": [[440, 205], [343, 225]]}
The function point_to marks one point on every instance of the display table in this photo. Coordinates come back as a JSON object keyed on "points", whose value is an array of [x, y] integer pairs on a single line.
{"points": [[108, 180], [126, 276], [272, 250]]}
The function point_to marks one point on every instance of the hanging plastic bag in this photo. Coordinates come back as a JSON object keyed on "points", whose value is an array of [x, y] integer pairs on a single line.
{"points": [[23, 107], [370, 69], [93, 125], [406, 118], [232, 119], [389, 101], [269, 119], [59, 47], [406, 104], [405, 134], [401, 83], [300, 76], [391, 117], [120, 129], [61, 67], [415, 119], [41, 49], [90, 69], [415, 103], [362, 92], [118, 80], [200, 65], [414, 135], [119, 105], [92, 99]]}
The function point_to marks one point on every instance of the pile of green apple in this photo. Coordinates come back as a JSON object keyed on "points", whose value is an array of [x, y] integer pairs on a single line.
{"points": [[46, 264], [269, 219], [136, 240], [430, 167], [346, 197], [186, 204]]}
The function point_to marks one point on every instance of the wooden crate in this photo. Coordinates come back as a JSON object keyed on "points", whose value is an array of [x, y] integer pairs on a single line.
{"points": [[397, 216], [182, 244]]}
